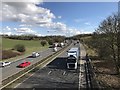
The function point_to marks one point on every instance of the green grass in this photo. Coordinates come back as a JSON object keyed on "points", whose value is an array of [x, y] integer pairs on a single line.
{"points": [[90, 51], [10, 43], [30, 46]]}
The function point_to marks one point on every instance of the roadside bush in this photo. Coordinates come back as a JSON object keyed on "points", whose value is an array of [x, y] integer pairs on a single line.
{"points": [[9, 54], [43, 42], [19, 47], [50, 42]]}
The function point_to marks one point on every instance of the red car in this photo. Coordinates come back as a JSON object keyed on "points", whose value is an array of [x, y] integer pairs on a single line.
{"points": [[24, 64]]}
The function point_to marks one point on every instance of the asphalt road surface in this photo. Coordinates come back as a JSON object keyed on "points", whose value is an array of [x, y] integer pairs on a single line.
{"points": [[12, 68], [54, 75]]}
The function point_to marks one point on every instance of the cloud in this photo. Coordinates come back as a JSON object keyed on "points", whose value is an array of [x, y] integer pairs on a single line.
{"points": [[7, 28], [85, 31], [29, 15], [7, 33], [87, 23], [59, 17], [25, 12], [15, 29], [58, 26], [74, 32], [25, 25], [38, 34], [25, 30]]}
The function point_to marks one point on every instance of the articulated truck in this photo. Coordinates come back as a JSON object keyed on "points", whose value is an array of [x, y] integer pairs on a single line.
{"points": [[73, 57]]}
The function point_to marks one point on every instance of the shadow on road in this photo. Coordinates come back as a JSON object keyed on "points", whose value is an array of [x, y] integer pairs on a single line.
{"points": [[30, 57], [58, 63]]}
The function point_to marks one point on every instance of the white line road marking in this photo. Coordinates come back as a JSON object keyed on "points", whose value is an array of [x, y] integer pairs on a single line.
{"points": [[64, 73], [23, 81], [49, 72]]}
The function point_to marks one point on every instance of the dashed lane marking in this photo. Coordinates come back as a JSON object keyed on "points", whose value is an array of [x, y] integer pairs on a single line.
{"points": [[49, 72], [64, 72]]}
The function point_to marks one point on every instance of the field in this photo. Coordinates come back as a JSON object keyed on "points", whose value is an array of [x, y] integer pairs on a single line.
{"points": [[30, 46], [10, 43]]}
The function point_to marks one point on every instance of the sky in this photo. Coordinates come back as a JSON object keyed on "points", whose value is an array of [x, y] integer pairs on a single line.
{"points": [[53, 18]]}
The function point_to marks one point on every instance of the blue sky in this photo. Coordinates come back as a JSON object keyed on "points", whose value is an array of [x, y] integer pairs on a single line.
{"points": [[55, 18], [81, 14]]}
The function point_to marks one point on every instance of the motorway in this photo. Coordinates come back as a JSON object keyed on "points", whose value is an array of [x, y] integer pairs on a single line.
{"points": [[55, 75], [12, 69]]}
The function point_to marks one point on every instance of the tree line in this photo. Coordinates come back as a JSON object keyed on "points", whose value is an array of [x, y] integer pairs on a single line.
{"points": [[49, 39]]}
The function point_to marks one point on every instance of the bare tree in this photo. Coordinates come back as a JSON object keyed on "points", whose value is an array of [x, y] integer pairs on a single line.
{"points": [[109, 29]]}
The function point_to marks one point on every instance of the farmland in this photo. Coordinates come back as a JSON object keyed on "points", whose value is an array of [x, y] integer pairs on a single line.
{"points": [[8, 44]]}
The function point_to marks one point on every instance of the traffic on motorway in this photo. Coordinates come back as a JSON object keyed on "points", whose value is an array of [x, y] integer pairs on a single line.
{"points": [[62, 72], [10, 68], [64, 69]]}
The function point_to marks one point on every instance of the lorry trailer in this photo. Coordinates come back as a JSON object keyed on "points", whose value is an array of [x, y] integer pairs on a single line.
{"points": [[73, 57]]}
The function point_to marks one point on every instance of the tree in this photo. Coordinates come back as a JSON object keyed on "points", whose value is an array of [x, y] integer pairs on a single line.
{"points": [[50, 41], [19, 47], [43, 42], [108, 33]]}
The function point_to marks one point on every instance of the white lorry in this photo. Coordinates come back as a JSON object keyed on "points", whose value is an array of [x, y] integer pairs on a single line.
{"points": [[73, 57]]}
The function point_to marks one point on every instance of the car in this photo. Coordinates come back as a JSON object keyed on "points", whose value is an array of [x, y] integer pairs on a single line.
{"points": [[5, 64], [35, 54], [24, 64], [55, 49]]}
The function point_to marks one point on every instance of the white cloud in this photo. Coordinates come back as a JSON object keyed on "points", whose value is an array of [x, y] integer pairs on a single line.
{"points": [[58, 26], [7, 33], [38, 34], [15, 29], [7, 28], [87, 23], [1, 33], [25, 30], [25, 12], [30, 15], [85, 31], [25, 25], [59, 17], [74, 32]]}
